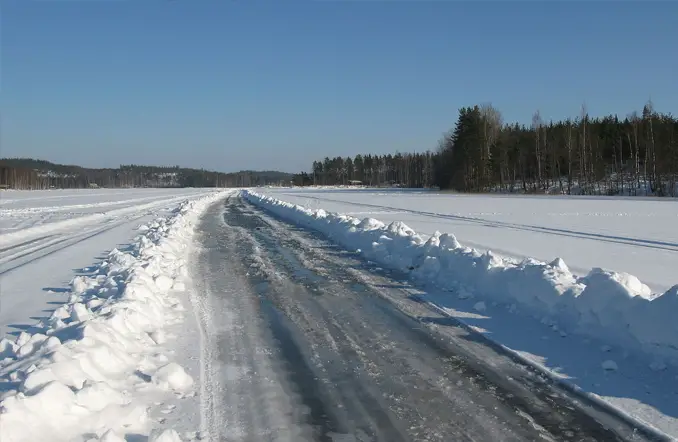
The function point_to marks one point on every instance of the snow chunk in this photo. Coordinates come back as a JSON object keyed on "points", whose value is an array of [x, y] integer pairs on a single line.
{"points": [[559, 264], [38, 378], [79, 312], [370, 224], [158, 336], [48, 401], [80, 284], [172, 376], [449, 241], [29, 343], [164, 282], [96, 396], [7, 348]]}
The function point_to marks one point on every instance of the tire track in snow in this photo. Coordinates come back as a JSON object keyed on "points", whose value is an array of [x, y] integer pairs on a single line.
{"points": [[23, 244], [47, 245], [27, 246]]}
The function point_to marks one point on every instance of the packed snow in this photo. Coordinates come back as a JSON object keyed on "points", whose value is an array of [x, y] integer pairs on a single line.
{"points": [[98, 366], [586, 327]]}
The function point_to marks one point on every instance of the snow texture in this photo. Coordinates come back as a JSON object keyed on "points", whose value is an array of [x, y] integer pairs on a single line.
{"points": [[100, 365], [611, 306]]}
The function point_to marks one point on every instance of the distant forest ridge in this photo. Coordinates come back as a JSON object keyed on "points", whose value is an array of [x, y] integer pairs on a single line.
{"points": [[636, 155], [29, 173]]}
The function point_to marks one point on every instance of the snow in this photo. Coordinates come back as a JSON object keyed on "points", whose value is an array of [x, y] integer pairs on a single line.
{"points": [[624, 234], [96, 367], [541, 310], [602, 303], [173, 377], [41, 247], [20, 210]]}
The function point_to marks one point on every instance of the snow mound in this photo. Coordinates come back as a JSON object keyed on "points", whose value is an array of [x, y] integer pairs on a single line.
{"points": [[616, 307], [98, 363], [173, 377]]}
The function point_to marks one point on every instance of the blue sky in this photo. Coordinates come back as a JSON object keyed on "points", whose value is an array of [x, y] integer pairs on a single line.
{"points": [[233, 84]]}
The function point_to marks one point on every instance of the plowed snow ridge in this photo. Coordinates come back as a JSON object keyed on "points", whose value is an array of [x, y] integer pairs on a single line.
{"points": [[602, 306], [99, 363]]}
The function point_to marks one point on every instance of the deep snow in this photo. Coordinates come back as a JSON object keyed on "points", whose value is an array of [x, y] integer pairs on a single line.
{"points": [[606, 332], [99, 368]]}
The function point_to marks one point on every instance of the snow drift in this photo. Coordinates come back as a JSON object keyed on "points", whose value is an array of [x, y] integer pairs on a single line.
{"points": [[612, 306], [93, 369]]}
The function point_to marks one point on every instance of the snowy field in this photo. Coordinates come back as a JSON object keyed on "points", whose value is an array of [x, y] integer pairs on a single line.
{"points": [[21, 210], [87, 279], [610, 332]]}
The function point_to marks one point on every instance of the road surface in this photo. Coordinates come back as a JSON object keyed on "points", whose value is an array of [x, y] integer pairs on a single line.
{"points": [[303, 341]]}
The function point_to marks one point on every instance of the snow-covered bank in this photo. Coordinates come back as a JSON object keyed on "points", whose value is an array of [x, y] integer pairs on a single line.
{"points": [[616, 307], [98, 363], [605, 334], [632, 235]]}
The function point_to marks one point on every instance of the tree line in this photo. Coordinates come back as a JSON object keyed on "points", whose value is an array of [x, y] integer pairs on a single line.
{"points": [[28, 173], [635, 155], [409, 169]]}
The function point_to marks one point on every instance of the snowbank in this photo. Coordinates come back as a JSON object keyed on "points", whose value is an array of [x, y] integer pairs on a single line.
{"points": [[615, 307], [95, 367]]}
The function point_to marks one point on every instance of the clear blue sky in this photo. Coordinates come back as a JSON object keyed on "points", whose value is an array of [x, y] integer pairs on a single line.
{"points": [[232, 84]]}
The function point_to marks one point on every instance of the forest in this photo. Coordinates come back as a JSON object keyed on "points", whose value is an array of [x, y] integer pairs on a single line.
{"points": [[27, 173], [636, 155]]}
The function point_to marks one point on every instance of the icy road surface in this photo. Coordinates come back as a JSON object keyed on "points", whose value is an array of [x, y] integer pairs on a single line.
{"points": [[304, 341], [634, 235], [47, 236]]}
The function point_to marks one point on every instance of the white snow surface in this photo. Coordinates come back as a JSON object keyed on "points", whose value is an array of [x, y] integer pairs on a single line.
{"points": [[25, 215], [567, 324], [636, 235], [97, 365], [43, 240]]}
